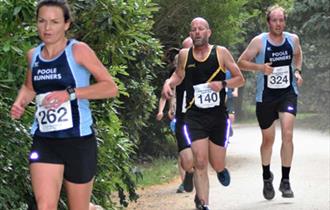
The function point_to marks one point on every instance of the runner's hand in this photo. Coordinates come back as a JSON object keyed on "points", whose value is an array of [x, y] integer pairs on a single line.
{"points": [[215, 86], [167, 91], [298, 78], [267, 69], [159, 116], [54, 99], [17, 110]]}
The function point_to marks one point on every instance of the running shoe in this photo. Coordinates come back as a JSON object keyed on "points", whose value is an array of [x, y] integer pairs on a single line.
{"points": [[224, 177], [268, 190], [231, 131], [180, 189], [198, 203], [286, 189], [206, 207], [188, 183]]}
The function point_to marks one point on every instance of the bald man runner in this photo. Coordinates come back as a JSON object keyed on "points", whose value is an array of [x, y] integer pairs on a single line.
{"points": [[207, 125]]}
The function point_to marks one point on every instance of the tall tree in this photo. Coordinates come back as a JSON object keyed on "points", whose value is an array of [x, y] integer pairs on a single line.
{"points": [[311, 20]]}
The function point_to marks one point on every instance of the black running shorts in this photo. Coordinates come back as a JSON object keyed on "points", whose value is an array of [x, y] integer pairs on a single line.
{"points": [[267, 113], [214, 125], [78, 155], [182, 142]]}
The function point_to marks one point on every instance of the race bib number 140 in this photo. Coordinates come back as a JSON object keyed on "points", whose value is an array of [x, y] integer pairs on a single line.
{"points": [[53, 119], [205, 97]]}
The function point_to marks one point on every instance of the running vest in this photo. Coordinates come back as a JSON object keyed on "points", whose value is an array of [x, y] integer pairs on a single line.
{"points": [[281, 81], [73, 118], [199, 96], [180, 100]]}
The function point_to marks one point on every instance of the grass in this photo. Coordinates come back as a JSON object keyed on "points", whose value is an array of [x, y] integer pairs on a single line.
{"points": [[158, 171]]}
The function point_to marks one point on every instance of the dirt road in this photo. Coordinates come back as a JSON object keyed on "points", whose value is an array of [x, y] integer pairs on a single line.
{"points": [[310, 178]]}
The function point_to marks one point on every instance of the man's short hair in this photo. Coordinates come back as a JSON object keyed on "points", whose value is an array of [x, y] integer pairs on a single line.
{"points": [[274, 7]]}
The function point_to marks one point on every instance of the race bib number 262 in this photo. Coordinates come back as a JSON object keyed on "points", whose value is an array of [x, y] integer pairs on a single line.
{"points": [[53, 119]]}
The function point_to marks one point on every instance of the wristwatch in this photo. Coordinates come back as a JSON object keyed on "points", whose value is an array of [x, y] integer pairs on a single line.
{"points": [[224, 83], [72, 93]]}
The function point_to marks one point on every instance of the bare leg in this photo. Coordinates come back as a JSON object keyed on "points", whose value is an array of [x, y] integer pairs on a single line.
{"points": [[287, 123], [181, 170], [79, 195], [268, 137], [187, 161], [200, 153], [217, 157], [46, 183]]}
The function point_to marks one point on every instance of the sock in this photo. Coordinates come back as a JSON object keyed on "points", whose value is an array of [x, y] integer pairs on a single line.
{"points": [[266, 171], [285, 172]]}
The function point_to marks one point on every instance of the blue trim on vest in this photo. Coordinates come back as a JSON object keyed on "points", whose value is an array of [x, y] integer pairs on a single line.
{"points": [[260, 58], [81, 77]]}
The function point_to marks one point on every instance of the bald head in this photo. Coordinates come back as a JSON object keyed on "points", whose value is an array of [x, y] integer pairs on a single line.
{"points": [[200, 20], [187, 42], [200, 32]]}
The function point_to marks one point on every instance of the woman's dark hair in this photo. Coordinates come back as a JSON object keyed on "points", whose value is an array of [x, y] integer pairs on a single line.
{"points": [[58, 3]]}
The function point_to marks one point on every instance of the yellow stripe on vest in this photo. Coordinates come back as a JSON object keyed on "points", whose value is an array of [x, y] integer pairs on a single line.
{"points": [[209, 80]]}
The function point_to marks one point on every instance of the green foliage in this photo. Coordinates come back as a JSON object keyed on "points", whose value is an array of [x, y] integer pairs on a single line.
{"points": [[158, 171], [123, 37], [224, 17], [114, 166], [310, 19], [15, 38], [15, 187]]}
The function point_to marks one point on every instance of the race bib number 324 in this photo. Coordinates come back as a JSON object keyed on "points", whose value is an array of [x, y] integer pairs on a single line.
{"points": [[280, 78]]}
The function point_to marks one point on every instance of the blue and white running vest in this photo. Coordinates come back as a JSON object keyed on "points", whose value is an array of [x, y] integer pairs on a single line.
{"points": [[58, 74], [281, 81]]}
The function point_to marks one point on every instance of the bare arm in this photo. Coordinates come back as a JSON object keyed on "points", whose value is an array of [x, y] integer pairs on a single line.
{"points": [[297, 60], [245, 60], [104, 87], [172, 109], [25, 95], [161, 106], [227, 61], [177, 76]]}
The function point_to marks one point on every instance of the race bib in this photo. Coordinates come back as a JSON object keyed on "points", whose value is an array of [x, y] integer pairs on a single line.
{"points": [[280, 78], [53, 119], [205, 97]]}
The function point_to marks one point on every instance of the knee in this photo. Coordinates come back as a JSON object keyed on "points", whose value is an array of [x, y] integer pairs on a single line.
{"points": [[200, 163], [287, 136], [44, 204], [187, 160], [220, 166], [267, 143]]}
